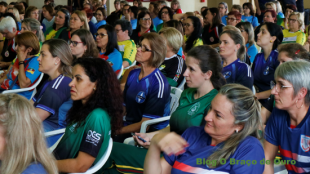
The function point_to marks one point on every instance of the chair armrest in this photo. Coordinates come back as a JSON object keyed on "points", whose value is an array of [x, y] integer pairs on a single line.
{"points": [[55, 132], [147, 123], [129, 141], [24, 89]]}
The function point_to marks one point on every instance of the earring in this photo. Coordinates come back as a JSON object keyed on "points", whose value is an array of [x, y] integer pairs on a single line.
{"points": [[271, 41], [94, 89], [55, 63], [236, 130]]}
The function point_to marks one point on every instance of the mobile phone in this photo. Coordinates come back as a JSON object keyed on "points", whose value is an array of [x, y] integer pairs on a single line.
{"points": [[143, 140]]}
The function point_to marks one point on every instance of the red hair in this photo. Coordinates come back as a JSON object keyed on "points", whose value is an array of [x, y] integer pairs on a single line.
{"points": [[273, 14], [236, 14], [89, 12]]}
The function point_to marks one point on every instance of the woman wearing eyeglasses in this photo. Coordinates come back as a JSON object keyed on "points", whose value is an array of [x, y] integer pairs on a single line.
{"points": [[101, 16], [144, 25], [33, 12], [165, 14], [82, 44], [249, 14], [265, 63], [147, 91], [294, 33], [288, 127], [283, 22], [106, 40], [78, 20], [233, 18]]}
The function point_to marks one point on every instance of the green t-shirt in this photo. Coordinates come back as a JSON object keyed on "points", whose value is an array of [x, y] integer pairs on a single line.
{"points": [[92, 137], [190, 111]]}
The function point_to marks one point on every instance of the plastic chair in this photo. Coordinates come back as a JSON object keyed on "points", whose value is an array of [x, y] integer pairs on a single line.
{"points": [[26, 89], [133, 64], [92, 169], [119, 75], [253, 90], [181, 86]]}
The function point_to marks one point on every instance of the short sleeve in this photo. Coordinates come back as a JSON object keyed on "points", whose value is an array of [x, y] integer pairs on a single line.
{"points": [[50, 101], [252, 51], [157, 100], [245, 76], [255, 22], [115, 60], [301, 38], [249, 151], [32, 70], [130, 52], [271, 134], [94, 133]]}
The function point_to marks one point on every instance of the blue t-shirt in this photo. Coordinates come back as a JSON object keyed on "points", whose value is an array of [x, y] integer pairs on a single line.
{"points": [[51, 95], [148, 97], [34, 168], [157, 21], [115, 59], [92, 28], [252, 19], [19, 26], [224, 20], [134, 23], [294, 144], [281, 15], [98, 24], [199, 149], [264, 70], [238, 72], [252, 51]]}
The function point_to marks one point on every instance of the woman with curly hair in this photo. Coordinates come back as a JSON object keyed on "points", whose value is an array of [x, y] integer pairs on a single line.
{"points": [[95, 116], [82, 44]]}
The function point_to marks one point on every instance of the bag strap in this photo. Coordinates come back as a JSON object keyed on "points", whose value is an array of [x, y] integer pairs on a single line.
{"points": [[15, 80]]}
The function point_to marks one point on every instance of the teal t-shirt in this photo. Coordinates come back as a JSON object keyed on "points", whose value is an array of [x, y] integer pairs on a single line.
{"points": [[190, 111], [92, 137]]}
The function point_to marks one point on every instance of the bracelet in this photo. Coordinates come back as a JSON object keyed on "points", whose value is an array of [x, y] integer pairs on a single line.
{"points": [[21, 63]]}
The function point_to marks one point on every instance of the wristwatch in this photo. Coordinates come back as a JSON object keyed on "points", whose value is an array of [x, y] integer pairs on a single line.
{"points": [[21, 63]]}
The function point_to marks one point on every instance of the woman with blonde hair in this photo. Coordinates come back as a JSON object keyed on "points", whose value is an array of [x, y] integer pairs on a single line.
{"points": [[78, 20], [176, 7], [22, 143], [294, 34], [34, 26], [15, 12]]}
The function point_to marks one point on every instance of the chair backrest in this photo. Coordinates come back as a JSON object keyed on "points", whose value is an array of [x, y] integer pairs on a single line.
{"points": [[133, 64], [253, 90], [119, 75], [102, 160], [174, 103], [181, 86], [176, 91]]}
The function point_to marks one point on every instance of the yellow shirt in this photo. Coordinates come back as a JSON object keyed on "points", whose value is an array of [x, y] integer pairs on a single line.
{"points": [[198, 42], [128, 50], [294, 37], [51, 35]]}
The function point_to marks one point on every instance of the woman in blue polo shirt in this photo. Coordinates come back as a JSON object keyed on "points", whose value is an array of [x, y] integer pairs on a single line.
{"points": [[232, 124], [265, 63], [249, 14], [232, 51]]}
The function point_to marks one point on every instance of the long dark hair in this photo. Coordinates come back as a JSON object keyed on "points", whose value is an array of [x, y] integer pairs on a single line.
{"points": [[140, 16], [112, 43], [107, 96], [170, 12], [195, 34], [250, 6], [67, 17], [88, 40], [275, 30], [216, 21], [209, 60]]}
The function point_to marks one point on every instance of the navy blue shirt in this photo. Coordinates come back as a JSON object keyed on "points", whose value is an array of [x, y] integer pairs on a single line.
{"points": [[200, 148], [50, 97], [148, 97], [264, 70], [293, 143], [92, 28], [34, 168], [238, 72]]}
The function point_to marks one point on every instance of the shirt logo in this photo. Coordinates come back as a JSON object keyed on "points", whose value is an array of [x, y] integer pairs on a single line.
{"points": [[110, 63], [72, 128], [140, 98], [211, 39], [305, 143], [30, 70], [193, 109], [227, 74], [93, 137], [266, 71], [6, 54], [162, 67]]}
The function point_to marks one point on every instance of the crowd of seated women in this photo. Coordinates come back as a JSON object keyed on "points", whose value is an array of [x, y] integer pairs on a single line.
{"points": [[246, 95]]}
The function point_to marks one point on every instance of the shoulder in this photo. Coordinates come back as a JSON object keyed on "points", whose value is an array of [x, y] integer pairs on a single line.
{"points": [[98, 114], [115, 53], [61, 82], [249, 146], [193, 132], [35, 168]]}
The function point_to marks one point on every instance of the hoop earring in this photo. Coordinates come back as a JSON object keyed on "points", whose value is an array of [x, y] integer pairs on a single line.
{"points": [[300, 106]]}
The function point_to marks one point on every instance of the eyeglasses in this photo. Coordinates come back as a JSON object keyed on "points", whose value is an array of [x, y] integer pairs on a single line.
{"points": [[146, 19], [230, 19], [164, 12], [273, 84], [74, 43], [98, 14], [143, 48], [292, 20], [35, 13], [100, 35], [186, 25]]}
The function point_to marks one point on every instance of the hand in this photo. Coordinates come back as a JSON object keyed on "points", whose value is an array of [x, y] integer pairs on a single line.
{"points": [[141, 143], [22, 54], [170, 143], [2, 74], [258, 11]]}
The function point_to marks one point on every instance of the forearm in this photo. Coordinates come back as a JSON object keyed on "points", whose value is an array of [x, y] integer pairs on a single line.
{"points": [[178, 16], [22, 78], [125, 64], [263, 95], [70, 166], [151, 134], [131, 128], [256, 4], [152, 163]]}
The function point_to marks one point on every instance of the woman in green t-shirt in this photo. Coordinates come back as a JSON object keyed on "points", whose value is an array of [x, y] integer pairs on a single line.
{"points": [[96, 113], [204, 79]]}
